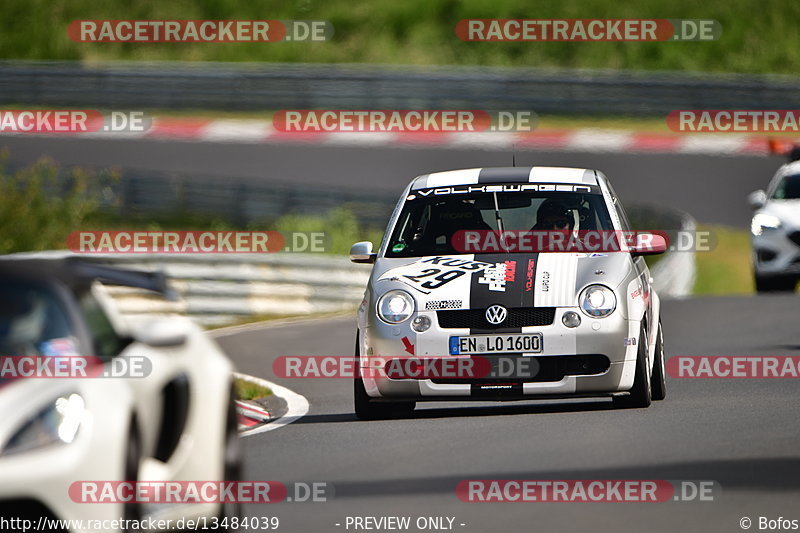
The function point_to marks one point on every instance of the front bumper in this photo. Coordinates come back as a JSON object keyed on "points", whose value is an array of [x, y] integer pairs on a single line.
{"points": [[40, 482], [776, 254], [608, 337]]}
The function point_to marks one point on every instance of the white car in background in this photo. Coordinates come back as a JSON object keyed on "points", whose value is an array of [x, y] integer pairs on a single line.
{"points": [[775, 230], [176, 424]]}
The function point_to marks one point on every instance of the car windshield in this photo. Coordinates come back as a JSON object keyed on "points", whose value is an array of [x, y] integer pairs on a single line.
{"points": [[426, 225], [33, 322], [788, 188]]}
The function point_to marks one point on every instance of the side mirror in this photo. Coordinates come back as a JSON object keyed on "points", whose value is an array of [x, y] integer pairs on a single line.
{"points": [[361, 252], [649, 244], [757, 199], [162, 333]]}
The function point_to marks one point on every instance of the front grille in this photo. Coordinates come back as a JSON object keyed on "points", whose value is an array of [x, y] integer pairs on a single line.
{"points": [[518, 317], [549, 368], [765, 256], [795, 237]]}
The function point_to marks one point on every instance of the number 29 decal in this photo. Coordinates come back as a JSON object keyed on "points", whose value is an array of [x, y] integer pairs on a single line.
{"points": [[433, 278], [434, 272]]}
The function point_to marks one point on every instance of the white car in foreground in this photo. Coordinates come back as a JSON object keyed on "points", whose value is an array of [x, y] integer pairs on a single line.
{"points": [[775, 230], [178, 423]]}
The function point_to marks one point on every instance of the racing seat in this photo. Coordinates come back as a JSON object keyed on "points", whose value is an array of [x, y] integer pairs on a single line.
{"points": [[446, 218]]}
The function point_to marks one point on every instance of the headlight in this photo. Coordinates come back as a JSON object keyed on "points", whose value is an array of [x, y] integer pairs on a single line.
{"points": [[764, 221], [395, 306], [598, 301], [58, 423]]}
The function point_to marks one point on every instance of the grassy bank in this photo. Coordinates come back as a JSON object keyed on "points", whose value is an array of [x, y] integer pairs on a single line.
{"points": [[41, 205], [726, 269], [246, 390], [756, 36]]}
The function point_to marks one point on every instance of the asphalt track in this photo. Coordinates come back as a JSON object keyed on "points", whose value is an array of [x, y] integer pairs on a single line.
{"points": [[741, 433], [713, 188]]}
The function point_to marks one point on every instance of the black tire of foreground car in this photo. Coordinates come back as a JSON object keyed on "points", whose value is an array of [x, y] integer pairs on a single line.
{"points": [[659, 381], [641, 393], [775, 284], [133, 456], [232, 467], [368, 409]]}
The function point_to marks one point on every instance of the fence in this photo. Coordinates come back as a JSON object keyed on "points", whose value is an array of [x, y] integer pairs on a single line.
{"points": [[242, 86]]}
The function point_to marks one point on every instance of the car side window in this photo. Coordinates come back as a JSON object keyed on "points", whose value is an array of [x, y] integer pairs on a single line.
{"points": [[788, 188], [107, 342], [33, 321]]}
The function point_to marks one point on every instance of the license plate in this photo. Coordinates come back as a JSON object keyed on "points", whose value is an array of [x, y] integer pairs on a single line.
{"points": [[486, 344]]}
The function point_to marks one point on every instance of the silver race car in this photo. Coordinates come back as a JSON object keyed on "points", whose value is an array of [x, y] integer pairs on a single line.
{"points": [[451, 311], [775, 229]]}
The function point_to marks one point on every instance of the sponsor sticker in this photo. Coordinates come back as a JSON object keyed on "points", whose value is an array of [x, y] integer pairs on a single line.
{"points": [[444, 304]]}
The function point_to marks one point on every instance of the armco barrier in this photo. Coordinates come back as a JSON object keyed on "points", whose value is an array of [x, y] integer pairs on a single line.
{"points": [[251, 86], [217, 289], [674, 275]]}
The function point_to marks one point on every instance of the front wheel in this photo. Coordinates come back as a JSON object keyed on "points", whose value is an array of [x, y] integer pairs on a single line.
{"points": [[659, 380], [367, 409], [775, 284], [641, 393]]}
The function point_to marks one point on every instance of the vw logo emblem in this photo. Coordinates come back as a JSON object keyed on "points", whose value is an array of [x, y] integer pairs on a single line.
{"points": [[496, 314]]}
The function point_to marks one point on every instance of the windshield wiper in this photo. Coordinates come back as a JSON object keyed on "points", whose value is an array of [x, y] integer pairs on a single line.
{"points": [[499, 221]]}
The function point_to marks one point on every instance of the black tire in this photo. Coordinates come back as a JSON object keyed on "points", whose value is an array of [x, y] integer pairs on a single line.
{"points": [[133, 456], [367, 409], [774, 284], [659, 379], [641, 394], [232, 462]]}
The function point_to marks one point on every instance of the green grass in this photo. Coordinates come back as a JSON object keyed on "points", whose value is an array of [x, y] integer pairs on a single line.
{"points": [[246, 390], [38, 211], [726, 269], [757, 36]]}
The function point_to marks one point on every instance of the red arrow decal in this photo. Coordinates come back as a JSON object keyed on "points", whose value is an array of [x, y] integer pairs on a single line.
{"points": [[408, 345]]}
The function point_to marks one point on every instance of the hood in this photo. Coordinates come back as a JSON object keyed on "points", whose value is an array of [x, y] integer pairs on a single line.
{"points": [[510, 280], [786, 210]]}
